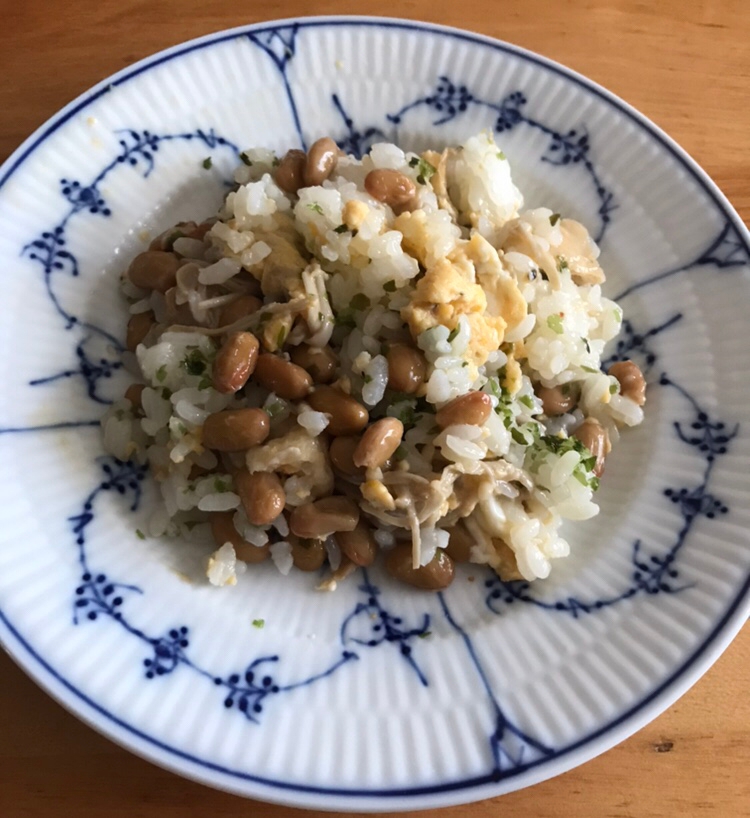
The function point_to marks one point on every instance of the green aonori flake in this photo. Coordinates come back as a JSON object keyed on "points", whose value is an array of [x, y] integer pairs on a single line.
{"points": [[194, 363], [360, 302], [345, 318], [207, 162], [245, 159], [453, 333], [554, 219], [342, 228], [221, 486], [424, 169], [562, 264], [527, 401], [161, 373], [315, 207], [140, 534], [259, 623], [555, 323], [500, 155]]}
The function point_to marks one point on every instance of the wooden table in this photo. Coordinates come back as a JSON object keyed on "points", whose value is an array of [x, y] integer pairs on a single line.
{"points": [[684, 64]]}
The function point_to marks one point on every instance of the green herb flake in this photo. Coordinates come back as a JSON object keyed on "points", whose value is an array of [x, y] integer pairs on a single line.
{"points": [[613, 389], [586, 344], [315, 207], [555, 323], [221, 486], [554, 219], [390, 286], [207, 162], [140, 534], [527, 401], [425, 171], [562, 263], [618, 314], [245, 159], [359, 302], [177, 234], [161, 373], [274, 409], [205, 383], [194, 363], [342, 228], [367, 378], [345, 318], [166, 393], [501, 156], [594, 484], [590, 369], [281, 337], [519, 437], [424, 634], [259, 623], [464, 363], [453, 333]]}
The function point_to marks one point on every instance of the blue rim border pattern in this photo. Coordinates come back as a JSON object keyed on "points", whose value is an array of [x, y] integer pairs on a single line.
{"points": [[17, 159]]}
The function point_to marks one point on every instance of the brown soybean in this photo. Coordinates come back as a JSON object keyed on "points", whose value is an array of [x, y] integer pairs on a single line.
{"points": [[235, 362], [595, 438], [290, 172], [554, 400], [631, 380], [406, 368], [240, 308], [262, 495], [134, 393], [341, 452], [235, 430], [378, 443], [154, 270], [285, 379], [436, 575], [324, 517], [359, 544], [390, 187], [321, 160], [320, 362], [348, 416], [307, 555], [473, 409], [138, 328], [459, 544], [223, 531]]}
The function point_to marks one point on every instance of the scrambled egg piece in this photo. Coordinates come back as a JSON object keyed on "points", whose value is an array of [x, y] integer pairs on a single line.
{"points": [[471, 283], [500, 287], [413, 228], [513, 375]]}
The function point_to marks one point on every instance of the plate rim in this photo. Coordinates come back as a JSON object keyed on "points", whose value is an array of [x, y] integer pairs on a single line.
{"points": [[172, 758]]}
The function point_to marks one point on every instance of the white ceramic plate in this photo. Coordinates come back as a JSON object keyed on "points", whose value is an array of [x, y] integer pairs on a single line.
{"points": [[377, 697]]}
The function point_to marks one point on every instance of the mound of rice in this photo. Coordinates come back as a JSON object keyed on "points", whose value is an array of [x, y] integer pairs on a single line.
{"points": [[496, 299]]}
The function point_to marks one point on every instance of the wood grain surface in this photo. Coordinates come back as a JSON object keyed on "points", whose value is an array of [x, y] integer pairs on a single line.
{"points": [[686, 65]]}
